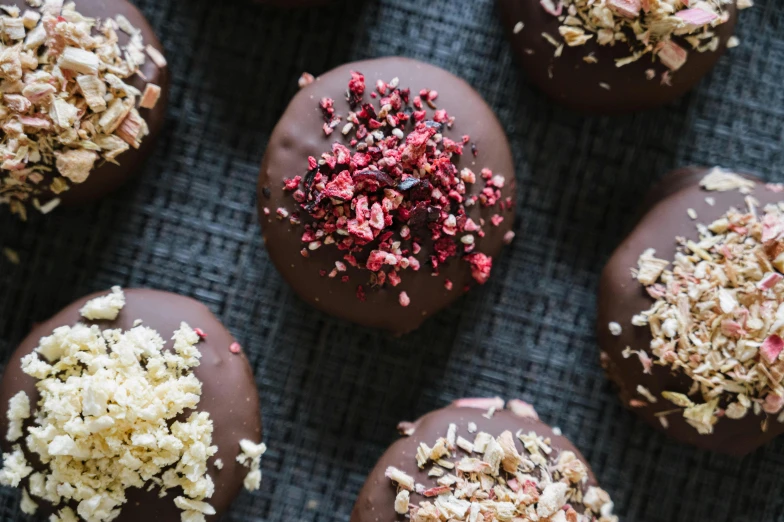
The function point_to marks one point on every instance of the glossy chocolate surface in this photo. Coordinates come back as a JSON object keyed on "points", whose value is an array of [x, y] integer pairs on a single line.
{"points": [[299, 134]]}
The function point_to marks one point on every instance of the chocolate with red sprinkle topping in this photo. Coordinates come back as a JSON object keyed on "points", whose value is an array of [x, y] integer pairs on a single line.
{"points": [[391, 195]]}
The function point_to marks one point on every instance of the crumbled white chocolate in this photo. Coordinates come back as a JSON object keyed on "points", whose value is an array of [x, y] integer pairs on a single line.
{"points": [[62, 73], [615, 328], [27, 504], [105, 419], [15, 467], [250, 457], [18, 412], [106, 307]]}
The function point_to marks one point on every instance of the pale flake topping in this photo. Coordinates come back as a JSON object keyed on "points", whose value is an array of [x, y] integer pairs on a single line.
{"points": [[105, 420], [250, 457], [106, 307], [646, 27], [719, 313], [65, 103], [490, 479]]}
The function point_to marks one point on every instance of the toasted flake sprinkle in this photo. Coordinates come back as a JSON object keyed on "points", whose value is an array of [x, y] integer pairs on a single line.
{"points": [[111, 417], [722, 180], [719, 313], [402, 479], [64, 78], [605, 86], [692, 213], [106, 307], [518, 27], [615, 328], [652, 23], [503, 478], [150, 97], [156, 56], [733, 42], [11, 255]]}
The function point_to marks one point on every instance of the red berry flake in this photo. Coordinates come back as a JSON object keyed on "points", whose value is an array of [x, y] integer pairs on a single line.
{"points": [[200, 333], [235, 347], [396, 187]]}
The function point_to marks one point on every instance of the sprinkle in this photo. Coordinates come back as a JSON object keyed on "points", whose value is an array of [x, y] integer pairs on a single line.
{"points": [[518, 27], [235, 347], [692, 213], [604, 85], [615, 328], [305, 79], [404, 299], [11, 255]]}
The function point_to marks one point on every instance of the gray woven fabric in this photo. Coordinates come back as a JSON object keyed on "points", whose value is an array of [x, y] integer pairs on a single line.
{"points": [[332, 393]]}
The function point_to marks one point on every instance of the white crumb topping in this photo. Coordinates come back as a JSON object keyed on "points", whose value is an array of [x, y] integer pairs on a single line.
{"points": [[106, 307], [15, 468], [106, 421], [250, 457], [722, 180], [18, 412], [27, 505]]}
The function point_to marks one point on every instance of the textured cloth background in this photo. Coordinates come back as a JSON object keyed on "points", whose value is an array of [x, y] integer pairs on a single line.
{"points": [[332, 392]]}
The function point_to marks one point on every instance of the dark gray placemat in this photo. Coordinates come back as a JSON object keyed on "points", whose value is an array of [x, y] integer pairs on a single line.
{"points": [[332, 393]]}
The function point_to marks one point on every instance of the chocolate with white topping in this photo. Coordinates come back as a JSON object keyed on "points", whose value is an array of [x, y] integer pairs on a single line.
{"points": [[699, 352], [85, 89], [117, 412], [475, 460], [617, 55]]}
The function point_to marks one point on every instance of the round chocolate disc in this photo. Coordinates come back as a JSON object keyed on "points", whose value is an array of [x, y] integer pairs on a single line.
{"points": [[585, 77], [472, 419], [673, 210], [229, 393], [352, 292], [106, 176]]}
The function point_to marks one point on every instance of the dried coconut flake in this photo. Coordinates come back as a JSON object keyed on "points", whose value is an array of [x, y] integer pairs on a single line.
{"points": [[59, 68], [493, 480], [719, 312]]}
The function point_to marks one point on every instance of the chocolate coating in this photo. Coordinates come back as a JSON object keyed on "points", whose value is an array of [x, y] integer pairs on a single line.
{"points": [[299, 135], [621, 297], [574, 83], [108, 177], [376, 500], [228, 391]]}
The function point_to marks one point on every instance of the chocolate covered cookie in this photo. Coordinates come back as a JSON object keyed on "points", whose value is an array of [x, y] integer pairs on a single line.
{"points": [[136, 405], [84, 97], [618, 55], [386, 191], [691, 311], [475, 460]]}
